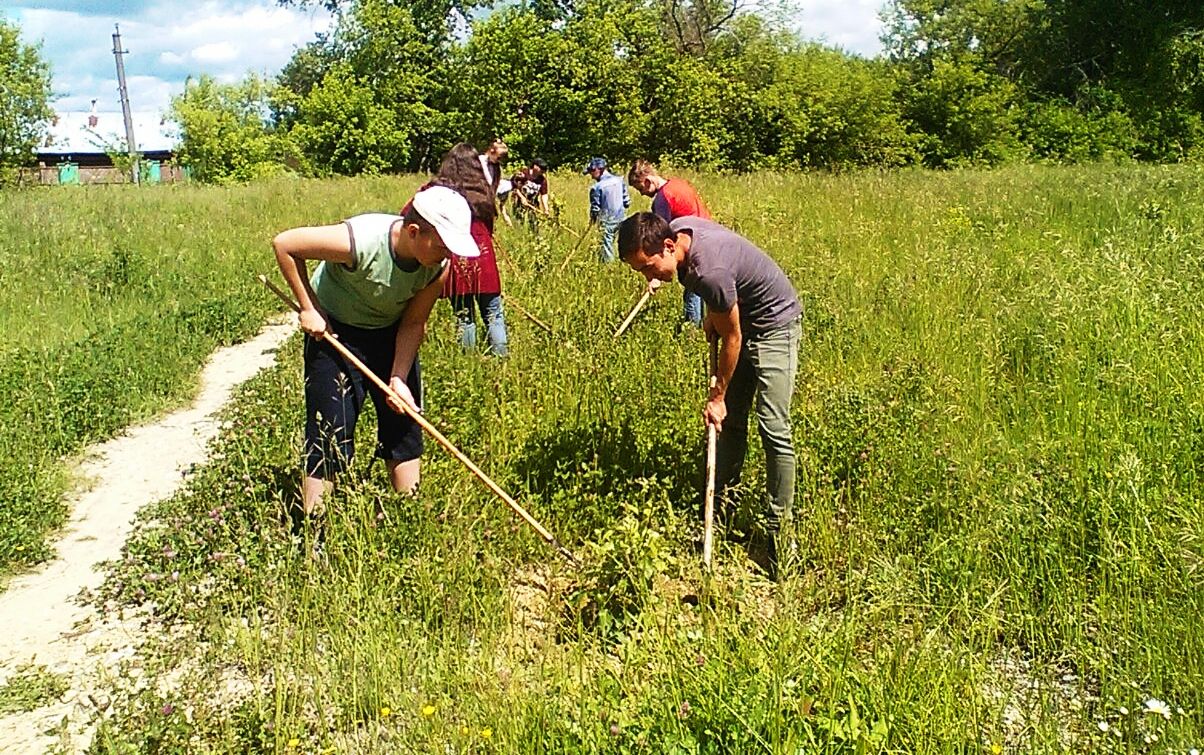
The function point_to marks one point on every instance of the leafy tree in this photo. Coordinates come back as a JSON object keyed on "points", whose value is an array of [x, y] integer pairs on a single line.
{"points": [[393, 51], [1149, 55], [434, 20], [24, 98], [710, 83], [693, 26], [1058, 131], [829, 109], [225, 134], [343, 127], [995, 33], [553, 92], [964, 115]]}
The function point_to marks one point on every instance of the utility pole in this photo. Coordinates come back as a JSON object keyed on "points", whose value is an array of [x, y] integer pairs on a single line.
{"points": [[130, 144]]}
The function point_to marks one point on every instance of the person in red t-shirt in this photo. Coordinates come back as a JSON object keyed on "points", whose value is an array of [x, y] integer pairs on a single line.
{"points": [[474, 281], [672, 198]]}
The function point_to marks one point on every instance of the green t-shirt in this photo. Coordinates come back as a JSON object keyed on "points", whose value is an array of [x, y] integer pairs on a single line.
{"points": [[372, 291]]}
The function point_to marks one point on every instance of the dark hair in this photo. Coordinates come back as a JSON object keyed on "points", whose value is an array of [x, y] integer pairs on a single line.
{"points": [[540, 163], [643, 232], [461, 170], [413, 217]]}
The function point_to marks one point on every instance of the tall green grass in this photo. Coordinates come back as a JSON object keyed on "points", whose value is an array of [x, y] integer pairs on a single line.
{"points": [[113, 298], [999, 518]]}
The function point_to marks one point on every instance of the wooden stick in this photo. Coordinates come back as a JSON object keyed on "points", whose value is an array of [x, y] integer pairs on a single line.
{"points": [[576, 246], [500, 252], [524, 201], [510, 300], [708, 515], [634, 311], [430, 430]]}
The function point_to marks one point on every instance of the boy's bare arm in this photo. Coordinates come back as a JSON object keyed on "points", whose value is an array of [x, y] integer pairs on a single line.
{"points": [[410, 333], [293, 248]]}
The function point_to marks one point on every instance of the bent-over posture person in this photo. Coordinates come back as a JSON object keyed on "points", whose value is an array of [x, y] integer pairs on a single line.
{"points": [[530, 192], [474, 282], [672, 198], [608, 203], [378, 278], [754, 312]]}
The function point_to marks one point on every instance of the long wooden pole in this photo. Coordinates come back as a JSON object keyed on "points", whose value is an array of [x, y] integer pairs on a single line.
{"points": [[576, 246], [510, 300], [708, 511], [500, 252], [433, 432], [634, 311]]}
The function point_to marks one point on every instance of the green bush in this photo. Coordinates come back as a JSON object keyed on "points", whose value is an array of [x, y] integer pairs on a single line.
{"points": [[964, 115], [1058, 132]]}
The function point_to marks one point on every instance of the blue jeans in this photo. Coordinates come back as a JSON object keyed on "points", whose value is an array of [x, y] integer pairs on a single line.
{"points": [[490, 306], [691, 309], [610, 229]]}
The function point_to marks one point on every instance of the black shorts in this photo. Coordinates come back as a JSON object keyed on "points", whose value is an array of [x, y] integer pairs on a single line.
{"points": [[334, 397]]}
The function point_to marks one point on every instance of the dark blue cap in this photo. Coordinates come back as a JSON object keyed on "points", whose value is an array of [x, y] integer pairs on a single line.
{"points": [[594, 164]]}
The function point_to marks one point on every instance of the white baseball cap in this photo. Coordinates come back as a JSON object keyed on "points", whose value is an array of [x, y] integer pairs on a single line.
{"points": [[447, 210]]}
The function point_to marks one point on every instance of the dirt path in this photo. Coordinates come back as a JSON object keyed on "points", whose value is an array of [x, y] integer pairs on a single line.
{"points": [[41, 621]]}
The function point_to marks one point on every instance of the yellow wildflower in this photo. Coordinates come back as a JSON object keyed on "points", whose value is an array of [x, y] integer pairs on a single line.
{"points": [[996, 748], [294, 743], [386, 711], [428, 710], [486, 733]]}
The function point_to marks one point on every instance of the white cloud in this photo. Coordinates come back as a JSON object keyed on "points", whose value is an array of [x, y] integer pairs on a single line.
{"points": [[849, 24], [214, 52], [167, 41]]}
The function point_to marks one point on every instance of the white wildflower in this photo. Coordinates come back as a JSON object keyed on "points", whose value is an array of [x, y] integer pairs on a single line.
{"points": [[1124, 711], [1103, 726], [1155, 706]]}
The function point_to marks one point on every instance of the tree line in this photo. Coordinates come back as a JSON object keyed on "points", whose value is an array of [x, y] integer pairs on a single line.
{"points": [[712, 84]]}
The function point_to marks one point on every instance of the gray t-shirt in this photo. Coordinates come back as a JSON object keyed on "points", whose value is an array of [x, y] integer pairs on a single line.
{"points": [[724, 268]]}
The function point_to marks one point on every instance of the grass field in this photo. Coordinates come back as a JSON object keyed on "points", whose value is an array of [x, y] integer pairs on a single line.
{"points": [[1000, 524]]}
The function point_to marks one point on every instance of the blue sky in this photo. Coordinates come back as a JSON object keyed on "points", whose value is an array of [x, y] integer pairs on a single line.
{"points": [[169, 39]]}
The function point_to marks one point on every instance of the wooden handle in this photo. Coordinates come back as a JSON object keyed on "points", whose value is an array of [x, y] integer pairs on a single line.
{"points": [[510, 300], [708, 515], [634, 311], [576, 246], [431, 430]]}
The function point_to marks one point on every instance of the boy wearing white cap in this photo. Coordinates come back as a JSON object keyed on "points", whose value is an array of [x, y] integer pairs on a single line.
{"points": [[378, 278]]}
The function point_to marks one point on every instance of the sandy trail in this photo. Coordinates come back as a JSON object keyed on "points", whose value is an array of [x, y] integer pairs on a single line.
{"points": [[41, 619]]}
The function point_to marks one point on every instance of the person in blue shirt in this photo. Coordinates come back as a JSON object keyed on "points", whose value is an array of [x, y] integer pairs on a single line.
{"points": [[608, 203]]}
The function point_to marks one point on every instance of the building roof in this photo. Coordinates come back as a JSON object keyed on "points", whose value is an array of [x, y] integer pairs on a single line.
{"points": [[72, 133]]}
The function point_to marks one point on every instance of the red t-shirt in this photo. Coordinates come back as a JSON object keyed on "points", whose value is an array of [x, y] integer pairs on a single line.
{"points": [[677, 199]]}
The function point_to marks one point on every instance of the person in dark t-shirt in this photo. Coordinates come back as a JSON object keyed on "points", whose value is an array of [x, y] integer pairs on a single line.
{"points": [[531, 191], [754, 314]]}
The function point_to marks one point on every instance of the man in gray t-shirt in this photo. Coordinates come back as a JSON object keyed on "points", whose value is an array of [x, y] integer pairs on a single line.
{"points": [[753, 312]]}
